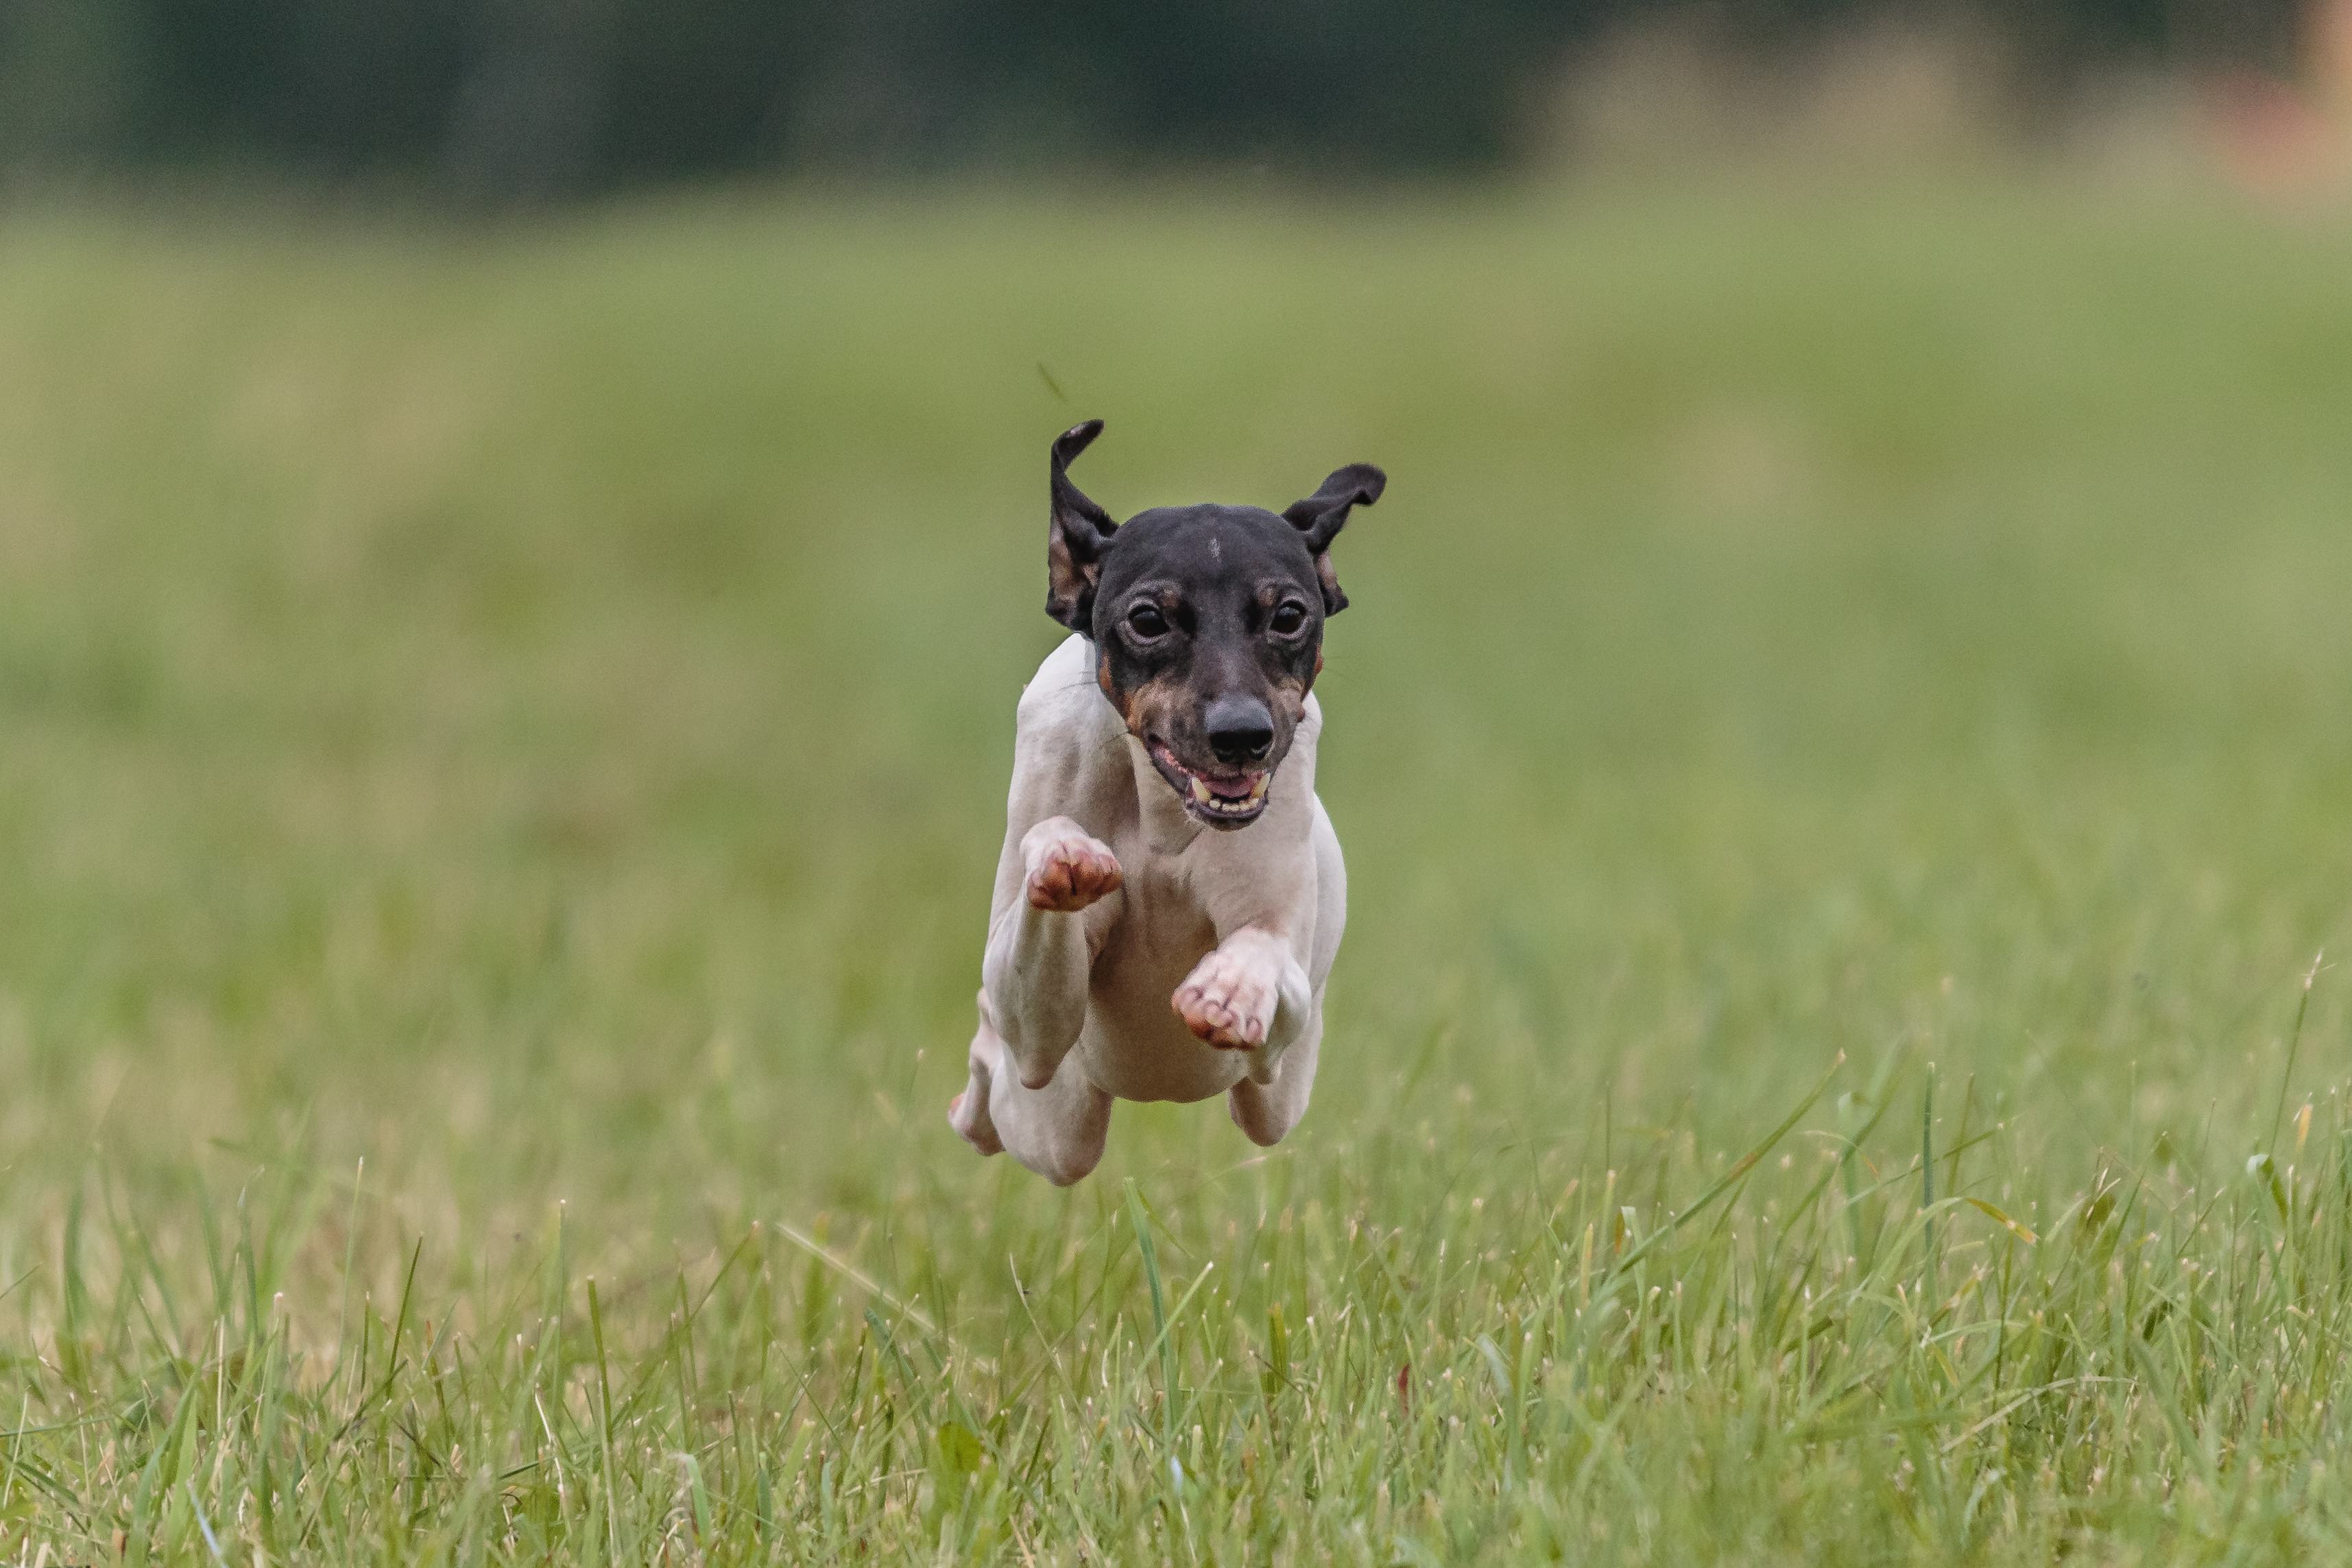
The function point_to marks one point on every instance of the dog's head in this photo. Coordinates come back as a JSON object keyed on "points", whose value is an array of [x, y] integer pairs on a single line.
{"points": [[1207, 623]]}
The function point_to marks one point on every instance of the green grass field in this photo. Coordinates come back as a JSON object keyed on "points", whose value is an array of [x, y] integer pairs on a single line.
{"points": [[1844, 745]]}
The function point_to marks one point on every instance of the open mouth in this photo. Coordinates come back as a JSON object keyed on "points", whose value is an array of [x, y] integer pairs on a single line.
{"points": [[1226, 801]]}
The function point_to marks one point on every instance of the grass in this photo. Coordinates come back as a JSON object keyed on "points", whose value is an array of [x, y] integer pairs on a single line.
{"points": [[1843, 746]]}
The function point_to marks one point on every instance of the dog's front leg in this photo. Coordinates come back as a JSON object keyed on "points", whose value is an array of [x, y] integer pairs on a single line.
{"points": [[1249, 993], [1038, 955]]}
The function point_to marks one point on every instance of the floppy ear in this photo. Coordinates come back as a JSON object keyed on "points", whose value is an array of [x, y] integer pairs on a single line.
{"points": [[1320, 517], [1080, 532]]}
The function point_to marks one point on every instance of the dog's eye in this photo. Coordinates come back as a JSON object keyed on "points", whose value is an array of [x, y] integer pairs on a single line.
{"points": [[1145, 620], [1288, 619]]}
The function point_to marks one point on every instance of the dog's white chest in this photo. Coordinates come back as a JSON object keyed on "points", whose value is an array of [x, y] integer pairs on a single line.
{"points": [[1200, 972]]}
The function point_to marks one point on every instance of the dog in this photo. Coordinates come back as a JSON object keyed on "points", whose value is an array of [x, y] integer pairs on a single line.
{"points": [[1171, 895]]}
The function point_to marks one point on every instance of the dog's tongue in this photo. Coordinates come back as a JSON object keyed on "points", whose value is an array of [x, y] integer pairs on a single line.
{"points": [[1232, 789]]}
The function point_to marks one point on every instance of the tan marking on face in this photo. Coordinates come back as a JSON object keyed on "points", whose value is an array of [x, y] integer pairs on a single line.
{"points": [[1151, 708], [1290, 697]]}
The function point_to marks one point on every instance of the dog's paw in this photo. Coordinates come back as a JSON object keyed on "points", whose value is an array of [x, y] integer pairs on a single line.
{"points": [[967, 1115], [968, 1112], [1069, 869], [1227, 1000]]}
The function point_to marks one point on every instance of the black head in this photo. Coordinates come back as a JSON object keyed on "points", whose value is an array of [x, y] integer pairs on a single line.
{"points": [[1207, 623]]}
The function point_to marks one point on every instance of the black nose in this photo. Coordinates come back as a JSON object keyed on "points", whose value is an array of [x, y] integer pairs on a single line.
{"points": [[1240, 729]]}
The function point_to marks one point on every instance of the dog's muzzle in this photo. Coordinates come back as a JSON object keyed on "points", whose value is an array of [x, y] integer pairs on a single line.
{"points": [[1219, 800]]}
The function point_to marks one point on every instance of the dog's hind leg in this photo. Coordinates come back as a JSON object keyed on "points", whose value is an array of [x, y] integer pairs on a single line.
{"points": [[1267, 1112], [968, 1112], [1057, 1131]]}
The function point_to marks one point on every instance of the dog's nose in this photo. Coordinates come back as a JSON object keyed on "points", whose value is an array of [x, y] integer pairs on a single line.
{"points": [[1240, 729]]}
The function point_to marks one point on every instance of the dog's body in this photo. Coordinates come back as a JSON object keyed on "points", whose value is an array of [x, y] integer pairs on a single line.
{"points": [[1252, 919], [1162, 927]]}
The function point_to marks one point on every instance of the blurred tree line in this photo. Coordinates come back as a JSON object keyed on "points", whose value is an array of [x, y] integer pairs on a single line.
{"points": [[502, 98]]}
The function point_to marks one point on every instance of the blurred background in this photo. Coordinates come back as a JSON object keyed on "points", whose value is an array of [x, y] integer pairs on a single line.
{"points": [[521, 527], [505, 100]]}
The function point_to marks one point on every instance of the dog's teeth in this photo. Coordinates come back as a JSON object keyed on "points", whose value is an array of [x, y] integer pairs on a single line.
{"points": [[1201, 790]]}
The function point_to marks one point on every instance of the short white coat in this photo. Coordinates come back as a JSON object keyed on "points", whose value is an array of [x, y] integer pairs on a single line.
{"points": [[1136, 954]]}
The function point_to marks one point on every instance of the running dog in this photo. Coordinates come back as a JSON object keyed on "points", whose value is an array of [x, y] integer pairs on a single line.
{"points": [[1171, 895]]}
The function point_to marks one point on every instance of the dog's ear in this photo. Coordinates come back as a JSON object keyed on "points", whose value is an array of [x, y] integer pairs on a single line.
{"points": [[1320, 517], [1079, 534]]}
